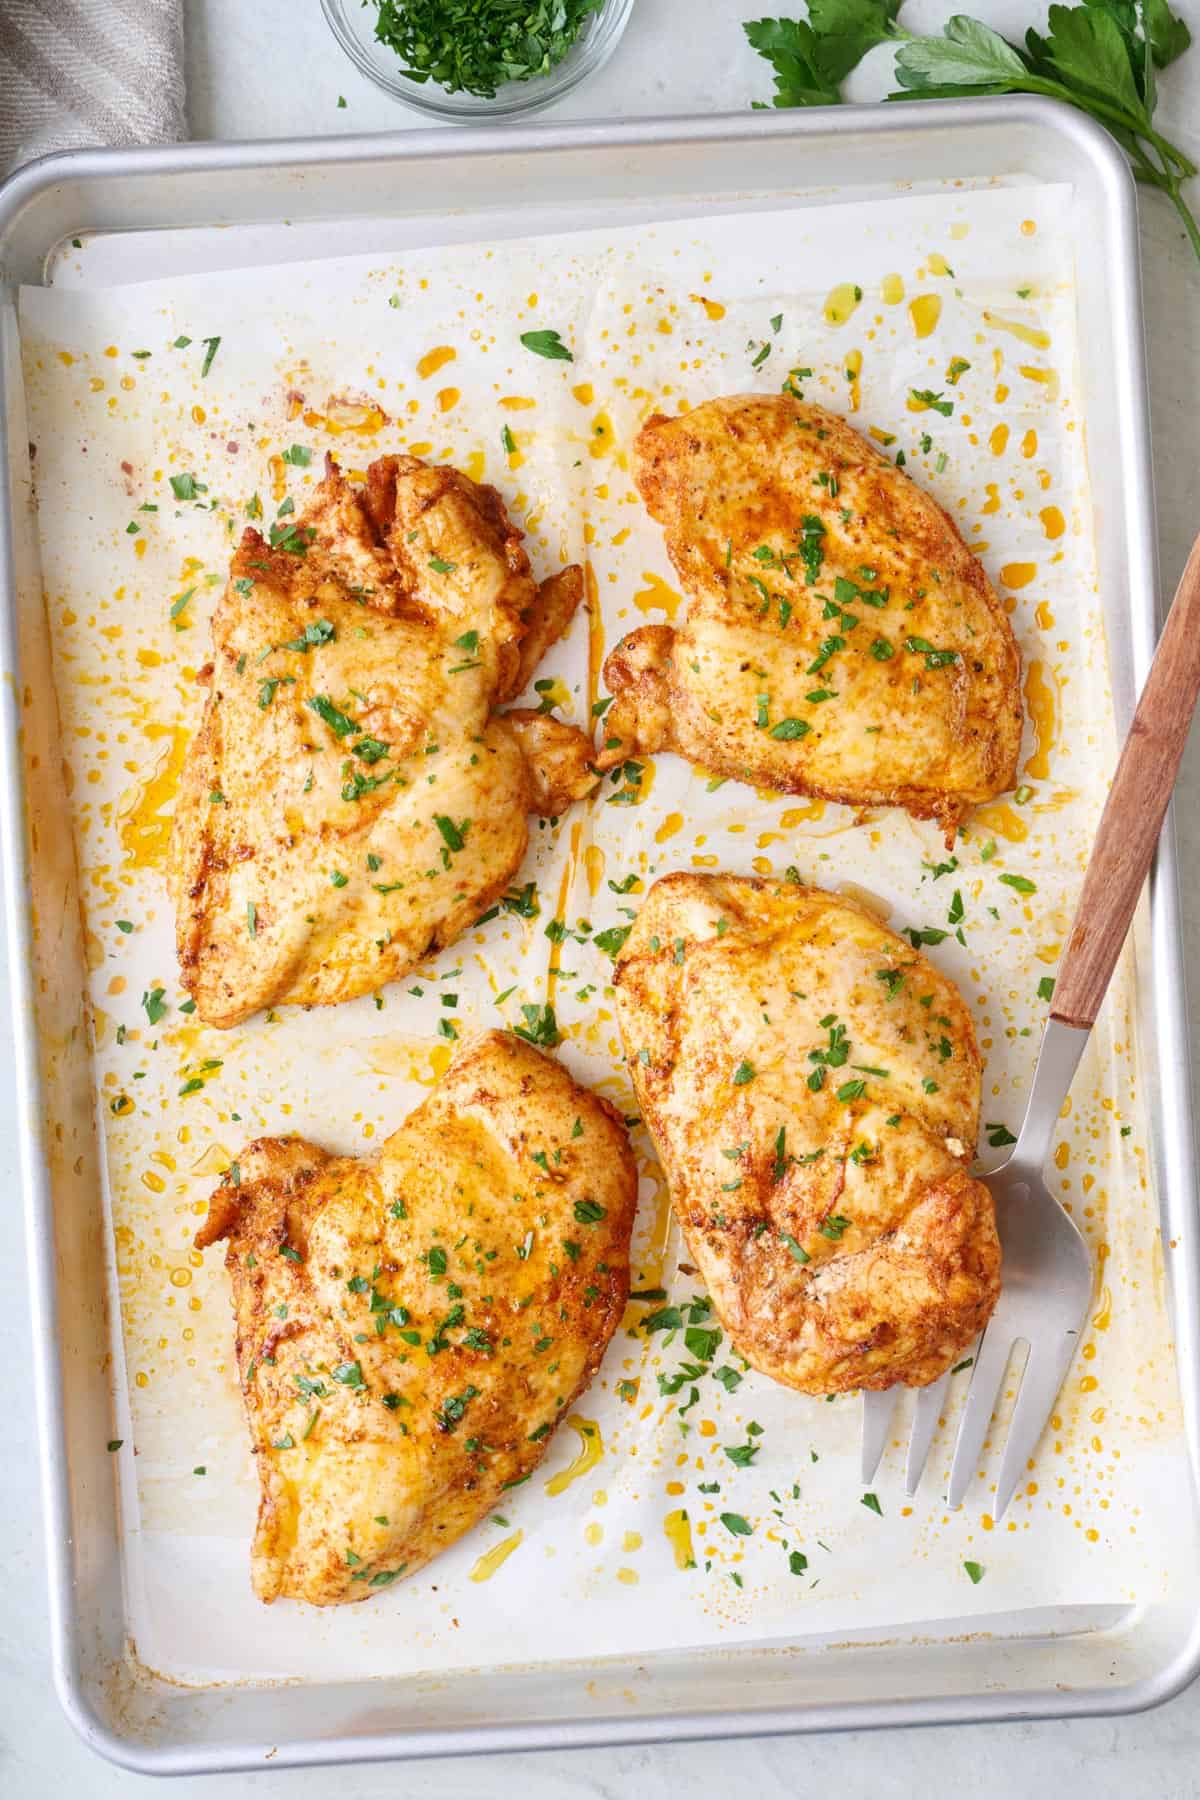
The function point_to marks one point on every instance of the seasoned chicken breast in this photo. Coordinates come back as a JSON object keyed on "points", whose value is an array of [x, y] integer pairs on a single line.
{"points": [[840, 639], [411, 1327], [812, 1087], [352, 799]]}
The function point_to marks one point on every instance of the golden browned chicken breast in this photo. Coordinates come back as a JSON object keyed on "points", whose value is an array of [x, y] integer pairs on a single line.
{"points": [[841, 640], [411, 1327], [812, 1087], [352, 800]]}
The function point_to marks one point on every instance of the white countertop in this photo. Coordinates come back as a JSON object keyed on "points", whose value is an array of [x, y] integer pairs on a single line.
{"points": [[271, 69]]}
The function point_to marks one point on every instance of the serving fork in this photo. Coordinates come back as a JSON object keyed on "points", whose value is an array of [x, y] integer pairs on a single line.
{"points": [[1046, 1271]]}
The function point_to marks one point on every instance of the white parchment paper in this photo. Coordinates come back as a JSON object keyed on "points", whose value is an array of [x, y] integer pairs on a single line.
{"points": [[421, 352]]}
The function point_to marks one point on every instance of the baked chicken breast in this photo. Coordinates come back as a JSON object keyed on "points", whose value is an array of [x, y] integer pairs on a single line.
{"points": [[411, 1327], [812, 1086], [352, 799], [840, 639]]}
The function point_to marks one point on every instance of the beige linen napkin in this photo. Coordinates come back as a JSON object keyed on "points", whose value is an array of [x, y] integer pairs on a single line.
{"points": [[78, 72]]}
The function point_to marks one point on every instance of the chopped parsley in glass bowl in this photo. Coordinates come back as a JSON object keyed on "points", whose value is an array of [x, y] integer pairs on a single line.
{"points": [[478, 59]]}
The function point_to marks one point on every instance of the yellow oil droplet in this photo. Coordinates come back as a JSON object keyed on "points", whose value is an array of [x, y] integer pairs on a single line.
{"points": [[593, 1533], [627, 1577], [447, 399], [603, 437], [1041, 700], [475, 466], [1004, 820], [516, 456], [556, 692], [199, 415], [799, 815], [1047, 378], [141, 1379], [998, 440], [671, 825], [891, 290], [149, 659], [181, 1278], [493, 1559], [154, 1182], [925, 310], [713, 308], [1027, 227], [653, 1254], [1103, 1318], [657, 595], [599, 1497], [1043, 615], [841, 303], [1053, 523], [1018, 574], [1092, 1535], [938, 264], [593, 867], [1088, 1384], [411, 1058], [584, 393], [1029, 445], [678, 1531], [522, 402], [1062, 1155], [853, 366], [145, 827], [215, 1160], [65, 358], [591, 1449], [357, 418], [278, 472], [987, 1521], [1028, 334], [631, 1541], [435, 359]]}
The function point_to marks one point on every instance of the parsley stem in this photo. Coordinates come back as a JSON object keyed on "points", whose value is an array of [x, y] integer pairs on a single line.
{"points": [[1172, 189], [1117, 115]]}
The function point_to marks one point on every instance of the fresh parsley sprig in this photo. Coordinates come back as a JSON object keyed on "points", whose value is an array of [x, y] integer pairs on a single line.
{"points": [[1102, 56]]}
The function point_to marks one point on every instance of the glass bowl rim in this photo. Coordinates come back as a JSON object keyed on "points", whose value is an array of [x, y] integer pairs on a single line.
{"points": [[515, 97]]}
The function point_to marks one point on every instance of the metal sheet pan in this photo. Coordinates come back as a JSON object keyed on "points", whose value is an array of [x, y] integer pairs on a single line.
{"points": [[425, 187]]}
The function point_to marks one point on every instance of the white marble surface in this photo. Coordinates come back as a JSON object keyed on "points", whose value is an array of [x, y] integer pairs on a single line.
{"points": [[269, 68]]}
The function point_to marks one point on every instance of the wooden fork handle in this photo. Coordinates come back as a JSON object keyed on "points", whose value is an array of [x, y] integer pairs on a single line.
{"points": [[1134, 811]]}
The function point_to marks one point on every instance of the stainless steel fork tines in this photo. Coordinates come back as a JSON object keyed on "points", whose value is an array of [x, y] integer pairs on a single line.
{"points": [[1047, 1286]]}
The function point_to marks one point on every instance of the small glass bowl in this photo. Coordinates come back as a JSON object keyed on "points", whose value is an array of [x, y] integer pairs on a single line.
{"points": [[353, 25]]}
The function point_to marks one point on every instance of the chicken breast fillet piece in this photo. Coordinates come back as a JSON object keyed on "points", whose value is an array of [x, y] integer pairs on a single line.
{"points": [[812, 1086], [352, 799], [411, 1327], [840, 638]]}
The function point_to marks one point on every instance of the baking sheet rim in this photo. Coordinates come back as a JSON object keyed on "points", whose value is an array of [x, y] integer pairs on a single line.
{"points": [[1174, 1125]]}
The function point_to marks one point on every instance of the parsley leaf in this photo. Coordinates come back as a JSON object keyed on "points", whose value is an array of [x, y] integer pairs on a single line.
{"points": [[547, 344], [811, 57]]}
